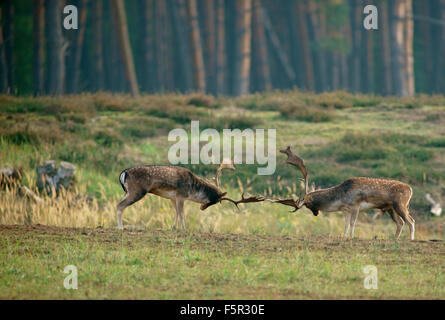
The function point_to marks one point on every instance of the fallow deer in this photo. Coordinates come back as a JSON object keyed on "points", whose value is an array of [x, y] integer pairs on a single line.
{"points": [[175, 183], [353, 195]]}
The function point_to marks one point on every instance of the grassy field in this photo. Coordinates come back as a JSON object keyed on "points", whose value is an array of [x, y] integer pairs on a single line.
{"points": [[159, 264], [261, 251]]}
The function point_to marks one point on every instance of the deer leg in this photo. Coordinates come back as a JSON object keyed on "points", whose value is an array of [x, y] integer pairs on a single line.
{"points": [[398, 221], [177, 214], [348, 219], [129, 199], [354, 216], [180, 208], [403, 212]]}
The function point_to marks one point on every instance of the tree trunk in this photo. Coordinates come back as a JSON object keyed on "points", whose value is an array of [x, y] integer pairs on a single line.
{"points": [[163, 43], [408, 51], [9, 42], [55, 48], [367, 67], [354, 58], [38, 46], [118, 9], [304, 36], [295, 43], [402, 60], [210, 43], [195, 40], [336, 62], [260, 48], [442, 3], [148, 66], [73, 68], [316, 25], [439, 46], [385, 49], [3, 67], [183, 52], [98, 61], [221, 57], [279, 51], [427, 44], [243, 47]]}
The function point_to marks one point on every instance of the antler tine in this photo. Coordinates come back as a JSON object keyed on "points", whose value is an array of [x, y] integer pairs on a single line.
{"points": [[297, 204], [244, 200], [295, 160]]}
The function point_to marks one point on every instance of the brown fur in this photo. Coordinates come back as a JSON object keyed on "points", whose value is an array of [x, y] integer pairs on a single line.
{"points": [[356, 194], [171, 182]]}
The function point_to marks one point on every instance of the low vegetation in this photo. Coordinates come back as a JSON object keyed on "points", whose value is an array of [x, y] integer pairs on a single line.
{"points": [[155, 264], [338, 134]]}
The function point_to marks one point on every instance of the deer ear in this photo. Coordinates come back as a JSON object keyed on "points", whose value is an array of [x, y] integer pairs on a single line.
{"points": [[224, 193]]}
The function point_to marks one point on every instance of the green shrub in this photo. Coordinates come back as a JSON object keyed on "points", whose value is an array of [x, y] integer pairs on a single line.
{"points": [[180, 114], [436, 143], [107, 138], [301, 112], [202, 100]]}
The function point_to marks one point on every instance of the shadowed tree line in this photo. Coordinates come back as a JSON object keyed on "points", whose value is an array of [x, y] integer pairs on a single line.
{"points": [[230, 47]]}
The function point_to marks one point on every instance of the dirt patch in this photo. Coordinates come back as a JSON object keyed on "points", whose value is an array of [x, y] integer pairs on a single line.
{"points": [[258, 243]]}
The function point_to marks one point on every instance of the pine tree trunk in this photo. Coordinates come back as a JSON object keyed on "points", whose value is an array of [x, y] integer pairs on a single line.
{"points": [[98, 61], [385, 49], [336, 62], [314, 33], [73, 68], [243, 47], [149, 68], [3, 66], [367, 67], [9, 42], [397, 50], [162, 41], [210, 43], [38, 46], [221, 57], [408, 51], [55, 48], [183, 52], [427, 44], [260, 47], [195, 40], [439, 47], [295, 43], [118, 9], [442, 5], [304, 36], [278, 48], [356, 26]]}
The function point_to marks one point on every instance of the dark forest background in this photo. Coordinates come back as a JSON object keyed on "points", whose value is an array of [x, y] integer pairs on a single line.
{"points": [[230, 47]]}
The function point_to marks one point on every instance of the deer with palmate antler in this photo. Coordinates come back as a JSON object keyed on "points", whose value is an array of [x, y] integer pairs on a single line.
{"points": [[353, 195], [175, 183]]}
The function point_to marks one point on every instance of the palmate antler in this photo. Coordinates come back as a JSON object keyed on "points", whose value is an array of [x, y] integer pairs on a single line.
{"points": [[297, 204], [244, 200], [299, 163]]}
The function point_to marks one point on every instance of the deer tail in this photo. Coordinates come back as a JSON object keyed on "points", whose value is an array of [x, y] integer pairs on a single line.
{"points": [[123, 176]]}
